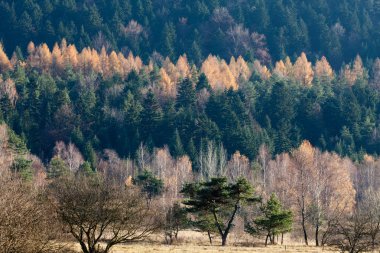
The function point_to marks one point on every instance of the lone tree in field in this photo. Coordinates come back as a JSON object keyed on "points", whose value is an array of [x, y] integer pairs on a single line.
{"points": [[150, 185], [274, 220], [220, 199], [97, 211]]}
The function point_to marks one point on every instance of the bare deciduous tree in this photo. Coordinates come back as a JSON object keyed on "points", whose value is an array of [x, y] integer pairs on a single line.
{"points": [[212, 161], [112, 167], [239, 166], [143, 158], [352, 233], [69, 154], [100, 214], [26, 224]]}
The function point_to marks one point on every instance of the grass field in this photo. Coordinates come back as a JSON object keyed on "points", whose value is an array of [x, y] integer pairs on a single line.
{"points": [[140, 248], [190, 241]]}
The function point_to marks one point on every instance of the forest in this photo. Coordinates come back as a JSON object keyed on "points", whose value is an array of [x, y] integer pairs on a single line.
{"points": [[121, 121], [256, 29]]}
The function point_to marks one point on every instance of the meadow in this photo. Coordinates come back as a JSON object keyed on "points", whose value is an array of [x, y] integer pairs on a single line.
{"points": [[195, 242]]}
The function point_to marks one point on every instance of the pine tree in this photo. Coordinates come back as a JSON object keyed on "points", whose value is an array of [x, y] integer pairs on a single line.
{"points": [[150, 185], [177, 146], [281, 107], [94, 19], [203, 83], [85, 169], [23, 168], [186, 96], [89, 154], [57, 168], [168, 40], [191, 151], [220, 200], [196, 53], [151, 116], [274, 220]]}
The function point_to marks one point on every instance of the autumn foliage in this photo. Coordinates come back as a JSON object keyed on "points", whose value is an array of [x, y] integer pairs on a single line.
{"points": [[220, 74]]}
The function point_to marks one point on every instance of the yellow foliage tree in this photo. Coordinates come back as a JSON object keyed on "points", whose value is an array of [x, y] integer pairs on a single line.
{"points": [[135, 63], [351, 75], [357, 68], [8, 89], [284, 69], [84, 60], [239, 69], [323, 70], [70, 56], [104, 62], [31, 48], [124, 68], [57, 59], [182, 66], [226, 79], [95, 61], [219, 74], [5, 64], [262, 71], [171, 70], [288, 67], [167, 86], [45, 57], [280, 70], [321, 189], [115, 67], [303, 71], [14, 59]]}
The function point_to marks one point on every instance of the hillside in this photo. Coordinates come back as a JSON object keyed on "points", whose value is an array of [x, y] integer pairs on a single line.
{"points": [[129, 124], [100, 100], [258, 29]]}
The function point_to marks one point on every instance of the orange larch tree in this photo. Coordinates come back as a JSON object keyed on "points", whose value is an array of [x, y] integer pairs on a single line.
{"points": [[303, 71], [323, 70], [5, 63]]}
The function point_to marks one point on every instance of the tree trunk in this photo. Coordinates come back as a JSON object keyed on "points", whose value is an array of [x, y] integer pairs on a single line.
{"points": [[176, 233], [225, 233], [305, 233], [224, 239], [83, 247], [303, 212], [282, 238], [169, 238], [266, 240], [209, 237], [304, 225], [317, 235]]}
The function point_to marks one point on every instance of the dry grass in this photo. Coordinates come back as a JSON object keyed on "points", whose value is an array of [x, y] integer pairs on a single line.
{"points": [[140, 248], [194, 242]]}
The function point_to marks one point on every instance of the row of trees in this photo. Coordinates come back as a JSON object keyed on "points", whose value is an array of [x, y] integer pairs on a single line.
{"points": [[199, 28], [221, 75], [306, 192], [108, 101]]}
